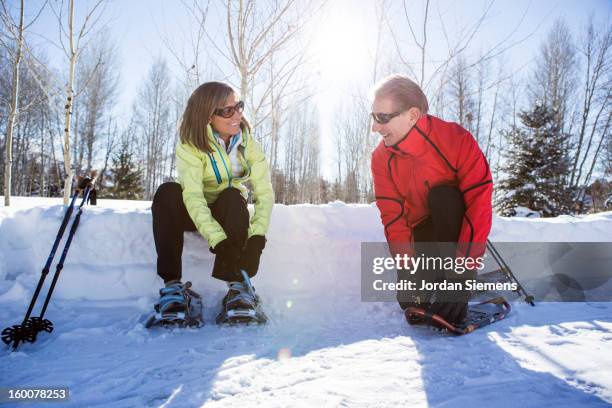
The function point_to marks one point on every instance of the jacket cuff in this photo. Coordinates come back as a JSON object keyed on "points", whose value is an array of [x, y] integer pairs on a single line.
{"points": [[213, 241]]}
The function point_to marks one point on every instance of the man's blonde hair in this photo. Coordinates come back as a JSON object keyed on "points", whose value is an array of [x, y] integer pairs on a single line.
{"points": [[403, 91]]}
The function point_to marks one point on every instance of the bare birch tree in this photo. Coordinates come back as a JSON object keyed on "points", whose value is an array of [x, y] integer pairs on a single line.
{"points": [[429, 66], [596, 50], [553, 83], [97, 81], [261, 45], [354, 143], [72, 50], [17, 33], [299, 182], [153, 115], [14, 44], [191, 50], [461, 92]]}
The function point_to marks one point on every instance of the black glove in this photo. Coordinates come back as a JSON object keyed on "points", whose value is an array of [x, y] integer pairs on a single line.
{"points": [[227, 256], [452, 312], [249, 261], [453, 307]]}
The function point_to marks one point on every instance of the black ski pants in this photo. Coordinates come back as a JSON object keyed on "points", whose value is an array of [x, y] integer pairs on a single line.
{"points": [[443, 225], [171, 220]]}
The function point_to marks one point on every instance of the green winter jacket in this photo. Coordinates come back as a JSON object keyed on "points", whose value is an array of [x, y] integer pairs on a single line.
{"points": [[203, 176]]}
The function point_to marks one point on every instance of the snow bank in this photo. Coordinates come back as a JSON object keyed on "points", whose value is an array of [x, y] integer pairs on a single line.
{"points": [[322, 345], [113, 254]]}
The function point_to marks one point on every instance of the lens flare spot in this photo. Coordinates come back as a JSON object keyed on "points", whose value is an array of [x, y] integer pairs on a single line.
{"points": [[284, 354], [289, 304]]}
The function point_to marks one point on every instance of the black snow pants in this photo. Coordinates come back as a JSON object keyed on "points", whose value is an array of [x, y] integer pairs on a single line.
{"points": [[443, 225], [171, 220]]}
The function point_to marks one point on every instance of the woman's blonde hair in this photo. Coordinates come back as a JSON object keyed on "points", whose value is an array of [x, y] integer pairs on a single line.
{"points": [[199, 112]]}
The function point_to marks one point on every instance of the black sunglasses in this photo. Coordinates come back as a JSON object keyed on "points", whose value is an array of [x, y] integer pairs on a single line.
{"points": [[229, 111], [383, 118]]}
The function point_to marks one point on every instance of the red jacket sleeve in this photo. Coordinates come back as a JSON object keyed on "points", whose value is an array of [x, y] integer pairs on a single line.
{"points": [[390, 203], [476, 185]]}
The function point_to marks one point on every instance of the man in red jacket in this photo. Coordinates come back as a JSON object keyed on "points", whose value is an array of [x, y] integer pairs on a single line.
{"points": [[432, 184]]}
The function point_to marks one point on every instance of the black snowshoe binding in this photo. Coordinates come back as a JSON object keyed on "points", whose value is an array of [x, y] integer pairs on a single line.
{"points": [[478, 315], [178, 306], [241, 305]]}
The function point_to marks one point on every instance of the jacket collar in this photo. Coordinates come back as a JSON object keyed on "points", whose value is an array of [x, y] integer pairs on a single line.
{"points": [[234, 141], [244, 135], [413, 142]]}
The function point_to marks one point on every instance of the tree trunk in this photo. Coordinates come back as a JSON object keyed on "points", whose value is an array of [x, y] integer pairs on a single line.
{"points": [[68, 109], [14, 112]]}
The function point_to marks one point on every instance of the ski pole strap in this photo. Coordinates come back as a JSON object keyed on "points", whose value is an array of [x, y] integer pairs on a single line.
{"points": [[88, 183], [83, 183]]}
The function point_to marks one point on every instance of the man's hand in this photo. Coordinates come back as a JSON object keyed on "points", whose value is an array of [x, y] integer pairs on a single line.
{"points": [[452, 312], [453, 308]]}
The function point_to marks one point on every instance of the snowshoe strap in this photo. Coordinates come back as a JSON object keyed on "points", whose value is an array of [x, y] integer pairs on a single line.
{"points": [[242, 293], [244, 297], [175, 288], [247, 282], [172, 296]]}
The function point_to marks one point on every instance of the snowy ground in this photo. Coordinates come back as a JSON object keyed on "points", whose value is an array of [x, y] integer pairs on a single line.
{"points": [[323, 346]]}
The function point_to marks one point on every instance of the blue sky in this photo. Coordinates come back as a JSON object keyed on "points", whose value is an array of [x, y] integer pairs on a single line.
{"points": [[344, 36], [138, 26]]}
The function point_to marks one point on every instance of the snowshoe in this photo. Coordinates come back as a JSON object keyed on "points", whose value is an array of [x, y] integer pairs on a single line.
{"points": [[178, 306], [241, 305], [478, 315]]}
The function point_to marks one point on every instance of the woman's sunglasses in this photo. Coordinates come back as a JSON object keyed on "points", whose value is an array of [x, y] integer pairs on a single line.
{"points": [[229, 111], [383, 118]]}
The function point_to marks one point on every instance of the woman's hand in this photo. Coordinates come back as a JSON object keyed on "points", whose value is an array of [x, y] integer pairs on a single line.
{"points": [[249, 261], [228, 256]]}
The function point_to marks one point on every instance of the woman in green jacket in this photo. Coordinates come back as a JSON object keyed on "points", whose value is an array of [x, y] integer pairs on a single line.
{"points": [[215, 157]]}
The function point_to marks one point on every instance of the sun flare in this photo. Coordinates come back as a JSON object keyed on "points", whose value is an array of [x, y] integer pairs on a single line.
{"points": [[343, 42]]}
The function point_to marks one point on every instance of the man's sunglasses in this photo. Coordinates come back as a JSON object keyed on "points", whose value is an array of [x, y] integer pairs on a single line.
{"points": [[383, 118], [229, 111]]}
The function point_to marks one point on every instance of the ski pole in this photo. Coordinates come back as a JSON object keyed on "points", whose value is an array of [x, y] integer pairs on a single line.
{"points": [[22, 332], [508, 272], [60, 264], [30, 326]]}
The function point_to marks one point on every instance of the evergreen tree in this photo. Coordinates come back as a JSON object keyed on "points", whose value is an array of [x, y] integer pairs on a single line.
{"points": [[536, 166], [127, 178]]}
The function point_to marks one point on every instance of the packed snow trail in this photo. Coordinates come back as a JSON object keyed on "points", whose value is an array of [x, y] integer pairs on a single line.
{"points": [[322, 345]]}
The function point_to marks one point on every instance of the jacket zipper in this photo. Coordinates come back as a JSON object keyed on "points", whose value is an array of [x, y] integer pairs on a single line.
{"points": [[229, 174], [215, 168]]}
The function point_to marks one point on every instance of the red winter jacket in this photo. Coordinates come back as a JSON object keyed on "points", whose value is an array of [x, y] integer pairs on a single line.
{"points": [[433, 153]]}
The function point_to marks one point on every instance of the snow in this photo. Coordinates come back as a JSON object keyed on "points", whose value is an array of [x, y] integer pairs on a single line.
{"points": [[322, 346], [525, 212]]}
